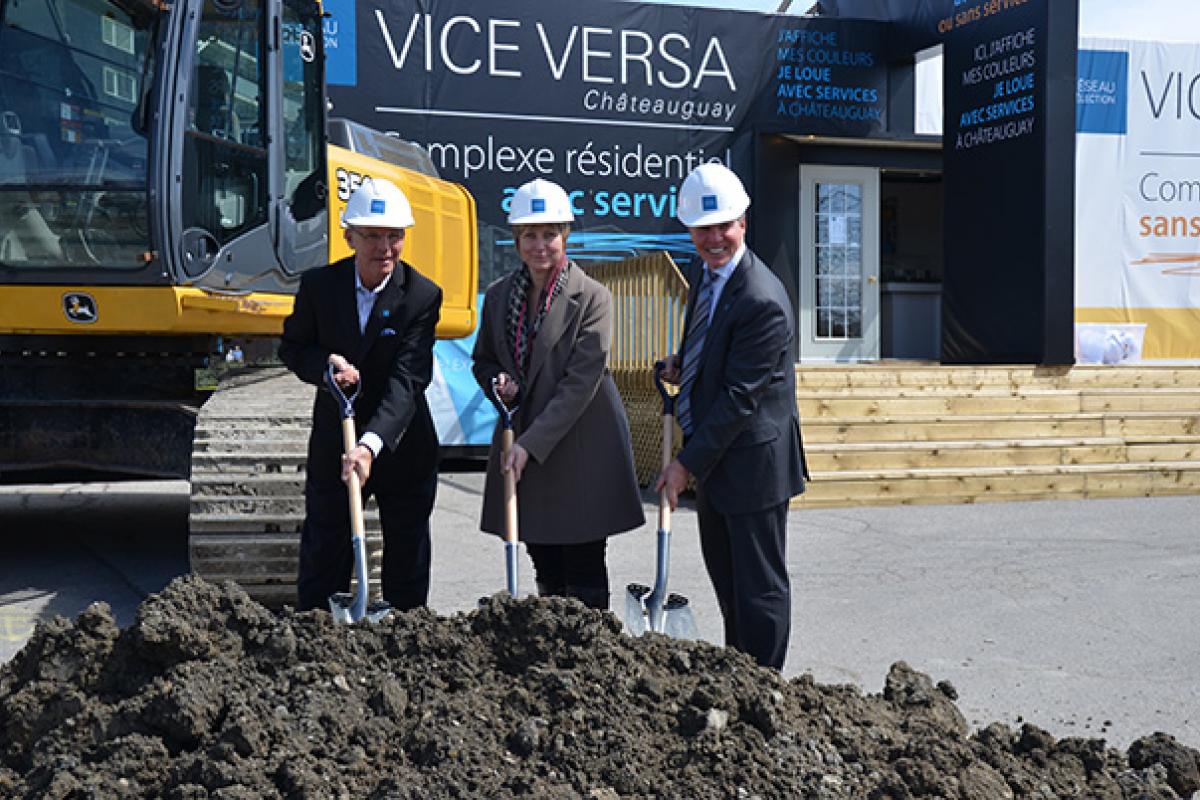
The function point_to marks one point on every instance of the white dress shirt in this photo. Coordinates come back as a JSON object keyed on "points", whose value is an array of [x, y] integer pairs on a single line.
{"points": [[365, 298], [720, 276]]}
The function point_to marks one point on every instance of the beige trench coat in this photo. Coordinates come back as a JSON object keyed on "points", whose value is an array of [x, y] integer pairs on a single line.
{"points": [[579, 484]]}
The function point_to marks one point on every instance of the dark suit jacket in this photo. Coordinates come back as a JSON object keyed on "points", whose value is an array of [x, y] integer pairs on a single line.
{"points": [[394, 358], [745, 449]]}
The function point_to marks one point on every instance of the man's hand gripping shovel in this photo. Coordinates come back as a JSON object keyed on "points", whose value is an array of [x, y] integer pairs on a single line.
{"points": [[511, 548], [350, 607], [649, 609]]}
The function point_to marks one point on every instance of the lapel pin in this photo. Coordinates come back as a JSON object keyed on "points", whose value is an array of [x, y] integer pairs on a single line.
{"points": [[387, 312]]}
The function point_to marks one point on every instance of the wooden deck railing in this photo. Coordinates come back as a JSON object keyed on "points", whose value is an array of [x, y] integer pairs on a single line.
{"points": [[649, 298]]}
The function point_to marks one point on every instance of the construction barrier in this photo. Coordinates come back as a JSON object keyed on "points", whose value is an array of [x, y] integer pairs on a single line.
{"points": [[649, 299]]}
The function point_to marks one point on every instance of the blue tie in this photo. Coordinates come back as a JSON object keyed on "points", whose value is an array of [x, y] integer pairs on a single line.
{"points": [[694, 345]]}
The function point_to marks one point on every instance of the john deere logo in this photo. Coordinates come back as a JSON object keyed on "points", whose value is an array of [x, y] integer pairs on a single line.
{"points": [[79, 307], [308, 47]]}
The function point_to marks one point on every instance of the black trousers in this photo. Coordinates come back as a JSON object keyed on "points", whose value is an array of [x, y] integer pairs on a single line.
{"points": [[572, 570], [326, 557], [745, 555]]}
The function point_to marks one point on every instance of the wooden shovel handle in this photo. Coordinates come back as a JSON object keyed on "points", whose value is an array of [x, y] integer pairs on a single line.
{"points": [[664, 507], [349, 439]]}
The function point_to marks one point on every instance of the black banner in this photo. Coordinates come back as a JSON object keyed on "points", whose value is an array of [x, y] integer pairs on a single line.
{"points": [[916, 24], [1007, 205], [616, 102]]}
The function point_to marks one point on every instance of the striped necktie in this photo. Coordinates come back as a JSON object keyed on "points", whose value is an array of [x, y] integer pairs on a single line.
{"points": [[694, 341]]}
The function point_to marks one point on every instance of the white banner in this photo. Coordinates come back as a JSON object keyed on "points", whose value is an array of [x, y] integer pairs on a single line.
{"points": [[1137, 232]]}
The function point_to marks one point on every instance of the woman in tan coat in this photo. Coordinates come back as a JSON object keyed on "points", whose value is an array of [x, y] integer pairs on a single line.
{"points": [[544, 340]]}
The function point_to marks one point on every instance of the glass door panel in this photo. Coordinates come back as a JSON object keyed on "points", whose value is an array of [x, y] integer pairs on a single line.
{"points": [[839, 299]]}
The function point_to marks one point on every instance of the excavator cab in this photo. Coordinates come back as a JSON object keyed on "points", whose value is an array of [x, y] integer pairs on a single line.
{"points": [[135, 141], [165, 178], [246, 204]]}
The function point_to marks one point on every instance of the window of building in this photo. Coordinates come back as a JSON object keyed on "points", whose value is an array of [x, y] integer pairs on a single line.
{"points": [[116, 34], [120, 84]]}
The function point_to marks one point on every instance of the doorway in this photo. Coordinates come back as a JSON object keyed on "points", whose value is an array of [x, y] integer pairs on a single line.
{"points": [[910, 255]]}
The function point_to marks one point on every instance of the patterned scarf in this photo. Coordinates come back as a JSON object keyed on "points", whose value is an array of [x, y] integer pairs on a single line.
{"points": [[521, 328]]}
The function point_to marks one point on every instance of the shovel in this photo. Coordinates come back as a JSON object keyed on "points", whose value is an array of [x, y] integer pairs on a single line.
{"points": [[510, 492], [347, 607], [649, 609]]}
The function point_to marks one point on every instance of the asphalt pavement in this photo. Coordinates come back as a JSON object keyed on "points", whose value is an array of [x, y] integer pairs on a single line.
{"points": [[1078, 616]]}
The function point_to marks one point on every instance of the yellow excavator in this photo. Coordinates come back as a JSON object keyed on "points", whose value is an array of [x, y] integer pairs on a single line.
{"points": [[167, 172]]}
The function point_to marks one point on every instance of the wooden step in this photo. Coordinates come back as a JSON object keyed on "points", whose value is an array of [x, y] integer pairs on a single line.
{"points": [[896, 374], [940, 401], [1140, 424], [1163, 399], [1103, 397], [1150, 452], [952, 428], [896, 432], [977, 453], [971, 485], [975, 402], [1127, 425]]}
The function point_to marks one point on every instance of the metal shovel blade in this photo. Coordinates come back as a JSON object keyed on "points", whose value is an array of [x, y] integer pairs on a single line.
{"points": [[512, 553], [637, 616], [679, 622], [347, 607], [341, 607], [377, 610]]}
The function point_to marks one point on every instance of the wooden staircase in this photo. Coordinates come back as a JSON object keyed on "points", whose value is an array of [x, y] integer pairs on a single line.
{"points": [[901, 433]]}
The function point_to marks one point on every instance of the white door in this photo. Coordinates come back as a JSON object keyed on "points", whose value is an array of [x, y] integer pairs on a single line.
{"points": [[839, 264]]}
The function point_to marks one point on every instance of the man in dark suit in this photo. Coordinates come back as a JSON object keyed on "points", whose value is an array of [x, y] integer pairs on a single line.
{"points": [[372, 318], [737, 409]]}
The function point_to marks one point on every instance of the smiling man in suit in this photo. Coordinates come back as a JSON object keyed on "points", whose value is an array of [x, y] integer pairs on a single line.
{"points": [[371, 317], [737, 409]]}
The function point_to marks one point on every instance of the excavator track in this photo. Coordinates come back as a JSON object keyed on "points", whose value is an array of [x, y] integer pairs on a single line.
{"points": [[247, 484]]}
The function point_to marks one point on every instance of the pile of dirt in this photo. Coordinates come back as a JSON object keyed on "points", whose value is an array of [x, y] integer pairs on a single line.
{"points": [[210, 695]]}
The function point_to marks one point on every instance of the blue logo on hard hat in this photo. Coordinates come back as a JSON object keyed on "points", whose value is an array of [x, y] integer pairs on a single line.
{"points": [[378, 206], [537, 205], [708, 202]]}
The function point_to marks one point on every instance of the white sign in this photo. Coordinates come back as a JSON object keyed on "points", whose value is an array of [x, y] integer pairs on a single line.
{"points": [[837, 229], [1137, 231]]}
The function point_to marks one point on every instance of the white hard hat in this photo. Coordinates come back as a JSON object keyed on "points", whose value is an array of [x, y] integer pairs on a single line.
{"points": [[540, 201], [378, 203], [711, 194]]}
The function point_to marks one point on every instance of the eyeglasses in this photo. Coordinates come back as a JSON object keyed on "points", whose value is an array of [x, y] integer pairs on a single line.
{"points": [[375, 237]]}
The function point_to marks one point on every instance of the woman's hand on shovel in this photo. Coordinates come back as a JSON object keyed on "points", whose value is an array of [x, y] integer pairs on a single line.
{"points": [[507, 388], [359, 459], [515, 459]]}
